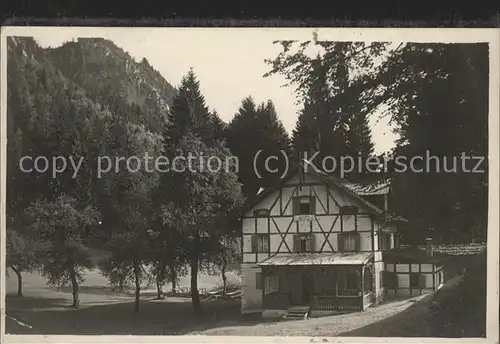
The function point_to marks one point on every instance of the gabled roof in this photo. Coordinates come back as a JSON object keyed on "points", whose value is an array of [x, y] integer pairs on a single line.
{"points": [[330, 181], [457, 249]]}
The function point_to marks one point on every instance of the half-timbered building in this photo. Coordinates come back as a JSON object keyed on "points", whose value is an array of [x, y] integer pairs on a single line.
{"points": [[316, 242], [412, 271]]}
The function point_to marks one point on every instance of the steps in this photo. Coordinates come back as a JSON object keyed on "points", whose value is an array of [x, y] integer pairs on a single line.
{"points": [[297, 313]]}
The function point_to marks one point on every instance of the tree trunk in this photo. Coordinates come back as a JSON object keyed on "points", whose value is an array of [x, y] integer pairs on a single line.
{"points": [[173, 278], [74, 286], [224, 277], [137, 274], [195, 296], [159, 289], [19, 281], [160, 279], [121, 286]]}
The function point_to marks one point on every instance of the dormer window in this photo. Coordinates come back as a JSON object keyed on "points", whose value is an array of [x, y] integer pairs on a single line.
{"points": [[304, 205], [261, 213]]}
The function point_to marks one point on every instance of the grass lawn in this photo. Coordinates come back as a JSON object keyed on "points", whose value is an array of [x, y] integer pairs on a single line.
{"points": [[47, 310], [53, 316]]}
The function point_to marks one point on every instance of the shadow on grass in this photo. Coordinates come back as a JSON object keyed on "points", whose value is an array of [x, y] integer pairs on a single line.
{"points": [[55, 317]]}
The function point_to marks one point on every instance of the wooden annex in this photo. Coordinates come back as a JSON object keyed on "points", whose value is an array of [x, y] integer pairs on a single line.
{"points": [[412, 271], [316, 242]]}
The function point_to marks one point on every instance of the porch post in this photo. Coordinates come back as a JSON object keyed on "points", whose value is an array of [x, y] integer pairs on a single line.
{"points": [[362, 274], [362, 298], [336, 269]]}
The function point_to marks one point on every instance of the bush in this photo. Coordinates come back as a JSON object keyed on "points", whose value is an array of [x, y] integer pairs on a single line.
{"points": [[463, 312]]}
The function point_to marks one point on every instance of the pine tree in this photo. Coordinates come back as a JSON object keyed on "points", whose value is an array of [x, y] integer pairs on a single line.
{"points": [[272, 138], [189, 112], [257, 129], [241, 143]]}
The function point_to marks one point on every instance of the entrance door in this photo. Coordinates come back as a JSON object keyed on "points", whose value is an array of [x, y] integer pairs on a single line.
{"points": [[307, 286]]}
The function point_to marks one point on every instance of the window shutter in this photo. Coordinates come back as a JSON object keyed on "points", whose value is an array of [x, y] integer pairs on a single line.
{"points": [[421, 281], [357, 242], [312, 204], [310, 243], [296, 243], [296, 205], [258, 280], [340, 242], [254, 243]]}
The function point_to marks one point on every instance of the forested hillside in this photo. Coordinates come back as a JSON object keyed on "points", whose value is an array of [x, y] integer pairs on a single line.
{"points": [[89, 99]]}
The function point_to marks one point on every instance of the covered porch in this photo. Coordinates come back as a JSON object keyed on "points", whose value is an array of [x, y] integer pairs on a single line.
{"points": [[325, 282]]}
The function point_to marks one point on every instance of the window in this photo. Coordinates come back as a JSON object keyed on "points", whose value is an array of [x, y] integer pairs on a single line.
{"points": [[260, 243], [415, 281], [352, 280], [385, 241], [271, 284], [348, 241], [303, 243], [261, 213], [304, 205], [440, 278], [258, 280]]}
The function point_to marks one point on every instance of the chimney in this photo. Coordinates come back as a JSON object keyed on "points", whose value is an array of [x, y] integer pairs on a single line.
{"points": [[428, 246]]}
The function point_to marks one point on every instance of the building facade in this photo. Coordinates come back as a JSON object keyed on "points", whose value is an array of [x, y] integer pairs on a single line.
{"points": [[316, 242], [412, 271]]}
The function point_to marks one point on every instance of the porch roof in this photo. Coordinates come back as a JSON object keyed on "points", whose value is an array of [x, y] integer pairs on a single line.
{"points": [[334, 258]]}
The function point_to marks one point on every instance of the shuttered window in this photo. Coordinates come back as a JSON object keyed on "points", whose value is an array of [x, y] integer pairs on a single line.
{"points": [[303, 243], [348, 242], [304, 205]]}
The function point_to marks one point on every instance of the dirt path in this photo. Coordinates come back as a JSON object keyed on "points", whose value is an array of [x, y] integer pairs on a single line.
{"points": [[322, 327]]}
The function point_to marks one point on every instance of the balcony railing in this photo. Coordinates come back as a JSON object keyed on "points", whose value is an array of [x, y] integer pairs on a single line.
{"points": [[340, 303]]}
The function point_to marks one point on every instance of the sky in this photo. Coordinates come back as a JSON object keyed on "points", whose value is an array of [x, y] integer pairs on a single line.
{"points": [[229, 64]]}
